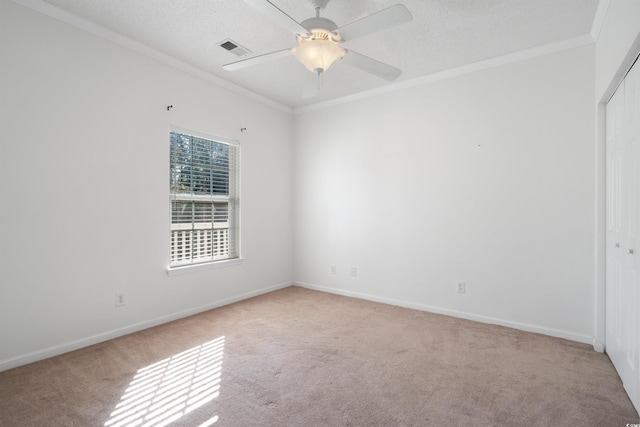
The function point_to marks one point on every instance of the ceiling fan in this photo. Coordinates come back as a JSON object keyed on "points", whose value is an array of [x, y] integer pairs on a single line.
{"points": [[318, 39]]}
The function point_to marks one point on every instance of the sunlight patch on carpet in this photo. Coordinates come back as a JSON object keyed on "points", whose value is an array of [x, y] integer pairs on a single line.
{"points": [[164, 392]]}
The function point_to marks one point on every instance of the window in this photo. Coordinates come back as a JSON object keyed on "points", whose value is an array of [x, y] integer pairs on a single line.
{"points": [[204, 199]]}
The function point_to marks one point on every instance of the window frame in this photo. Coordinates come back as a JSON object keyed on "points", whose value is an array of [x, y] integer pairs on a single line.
{"points": [[234, 198]]}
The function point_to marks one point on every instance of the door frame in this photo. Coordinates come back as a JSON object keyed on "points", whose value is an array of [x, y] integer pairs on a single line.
{"points": [[600, 272]]}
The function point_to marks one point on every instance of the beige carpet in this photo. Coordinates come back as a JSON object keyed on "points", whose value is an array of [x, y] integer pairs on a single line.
{"points": [[296, 357]]}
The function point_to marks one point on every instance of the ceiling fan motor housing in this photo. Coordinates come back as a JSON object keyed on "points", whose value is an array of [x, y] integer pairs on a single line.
{"points": [[319, 23]]}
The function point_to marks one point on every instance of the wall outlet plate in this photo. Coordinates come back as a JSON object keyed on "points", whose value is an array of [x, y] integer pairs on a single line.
{"points": [[120, 299], [461, 287]]}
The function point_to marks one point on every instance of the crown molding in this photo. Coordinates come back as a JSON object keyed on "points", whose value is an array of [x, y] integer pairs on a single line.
{"points": [[59, 14], [598, 20], [455, 72], [131, 44]]}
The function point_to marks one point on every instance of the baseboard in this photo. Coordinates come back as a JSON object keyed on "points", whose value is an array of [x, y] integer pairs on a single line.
{"points": [[95, 339], [469, 316], [598, 346]]}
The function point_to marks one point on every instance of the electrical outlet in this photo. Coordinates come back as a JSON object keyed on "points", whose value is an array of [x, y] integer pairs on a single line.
{"points": [[333, 269], [120, 299], [354, 272], [461, 287]]}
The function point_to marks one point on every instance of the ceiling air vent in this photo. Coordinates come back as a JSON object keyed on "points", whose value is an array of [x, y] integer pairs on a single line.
{"points": [[234, 47]]}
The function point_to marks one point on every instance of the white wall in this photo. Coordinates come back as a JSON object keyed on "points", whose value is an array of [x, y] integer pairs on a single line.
{"points": [[487, 178], [84, 182]]}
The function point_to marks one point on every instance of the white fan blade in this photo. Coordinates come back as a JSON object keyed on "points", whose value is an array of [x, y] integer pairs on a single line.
{"points": [[386, 18], [272, 12], [371, 65], [256, 60]]}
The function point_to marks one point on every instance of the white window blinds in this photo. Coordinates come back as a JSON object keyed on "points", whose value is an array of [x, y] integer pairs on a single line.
{"points": [[204, 199]]}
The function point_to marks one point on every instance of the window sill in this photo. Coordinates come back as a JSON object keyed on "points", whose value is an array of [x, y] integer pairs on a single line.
{"points": [[184, 269]]}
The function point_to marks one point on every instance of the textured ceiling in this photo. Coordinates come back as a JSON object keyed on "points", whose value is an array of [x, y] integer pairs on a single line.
{"points": [[443, 34]]}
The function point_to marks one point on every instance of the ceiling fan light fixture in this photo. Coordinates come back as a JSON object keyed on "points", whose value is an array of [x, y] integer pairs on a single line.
{"points": [[318, 52], [319, 39]]}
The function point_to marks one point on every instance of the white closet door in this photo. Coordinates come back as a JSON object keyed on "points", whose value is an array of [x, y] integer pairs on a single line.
{"points": [[632, 110], [623, 228]]}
